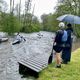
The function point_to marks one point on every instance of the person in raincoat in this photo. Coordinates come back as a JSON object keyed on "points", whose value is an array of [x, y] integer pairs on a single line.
{"points": [[66, 53], [59, 42], [18, 39]]}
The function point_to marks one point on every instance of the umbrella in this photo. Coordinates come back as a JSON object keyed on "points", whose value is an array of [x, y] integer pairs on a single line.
{"points": [[69, 18]]}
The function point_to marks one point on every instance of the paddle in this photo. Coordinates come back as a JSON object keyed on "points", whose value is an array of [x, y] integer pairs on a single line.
{"points": [[51, 56]]}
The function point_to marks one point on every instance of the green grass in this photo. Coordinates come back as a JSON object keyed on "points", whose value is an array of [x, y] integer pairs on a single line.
{"points": [[69, 71]]}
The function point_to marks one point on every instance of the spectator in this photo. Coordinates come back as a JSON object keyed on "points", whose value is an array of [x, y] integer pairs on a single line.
{"points": [[60, 39], [66, 53]]}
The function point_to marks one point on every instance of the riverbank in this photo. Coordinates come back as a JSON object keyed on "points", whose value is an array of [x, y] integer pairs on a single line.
{"points": [[70, 71]]}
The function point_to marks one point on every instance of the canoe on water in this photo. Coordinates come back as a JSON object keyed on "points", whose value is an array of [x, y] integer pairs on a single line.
{"points": [[16, 42], [3, 39]]}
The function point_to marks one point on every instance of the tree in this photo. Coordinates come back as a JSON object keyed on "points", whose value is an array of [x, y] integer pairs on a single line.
{"points": [[49, 22], [19, 9], [27, 16], [44, 19], [69, 7], [3, 8], [10, 23], [35, 24], [1, 1]]}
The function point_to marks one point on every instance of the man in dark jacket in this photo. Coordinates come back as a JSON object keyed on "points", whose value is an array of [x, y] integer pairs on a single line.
{"points": [[66, 53]]}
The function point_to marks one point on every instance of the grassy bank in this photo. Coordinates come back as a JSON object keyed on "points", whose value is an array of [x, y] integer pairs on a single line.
{"points": [[69, 71]]}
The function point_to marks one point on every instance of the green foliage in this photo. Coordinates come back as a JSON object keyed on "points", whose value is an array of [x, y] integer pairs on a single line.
{"points": [[31, 25], [35, 28], [49, 22], [31, 28], [77, 30], [44, 18], [10, 24]]}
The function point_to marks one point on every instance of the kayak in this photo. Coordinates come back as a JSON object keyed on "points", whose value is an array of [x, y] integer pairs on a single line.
{"points": [[3, 39], [16, 42]]}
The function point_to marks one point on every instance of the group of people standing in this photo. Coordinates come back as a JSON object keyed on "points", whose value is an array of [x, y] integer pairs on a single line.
{"points": [[63, 44]]}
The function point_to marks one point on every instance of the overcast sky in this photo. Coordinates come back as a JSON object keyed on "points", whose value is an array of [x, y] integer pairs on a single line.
{"points": [[41, 6]]}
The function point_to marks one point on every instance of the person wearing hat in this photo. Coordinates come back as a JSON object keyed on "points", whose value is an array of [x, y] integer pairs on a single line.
{"points": [[60, 39], [66, 53]]}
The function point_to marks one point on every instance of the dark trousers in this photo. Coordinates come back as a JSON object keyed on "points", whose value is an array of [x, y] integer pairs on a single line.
{"points": [[66, 54]]}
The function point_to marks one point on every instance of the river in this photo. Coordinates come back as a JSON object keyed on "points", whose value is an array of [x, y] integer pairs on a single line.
{"points": [[9, 68]]}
